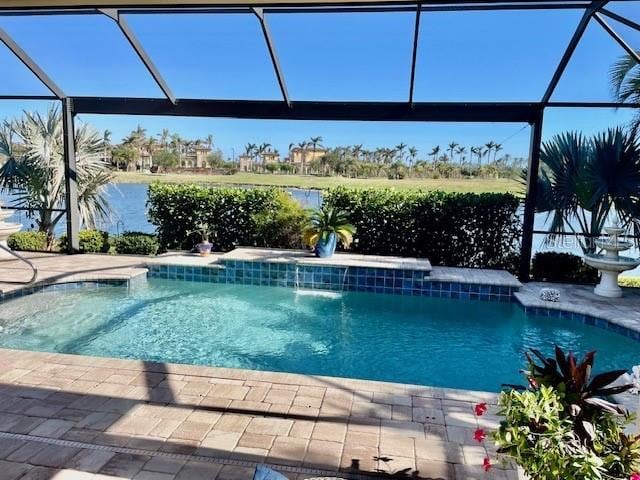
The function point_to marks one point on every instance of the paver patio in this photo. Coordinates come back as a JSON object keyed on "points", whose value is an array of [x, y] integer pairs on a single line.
{"points": [[68, 416]]}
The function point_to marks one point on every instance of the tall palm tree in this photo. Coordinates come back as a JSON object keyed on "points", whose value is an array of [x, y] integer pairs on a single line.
{"points": [[452, 149], [461, 150], [496, 148], [164, 137], [261, 150], [624, 78], [489, 146], [481, 152], [434, 153], [315, 142], [357, 151], [36, 174], [209, 140], [400, 150], [106, 142], [250, 151]]}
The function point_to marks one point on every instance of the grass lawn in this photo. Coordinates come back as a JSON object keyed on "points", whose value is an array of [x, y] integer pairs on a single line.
{"points": [[477, 185]]}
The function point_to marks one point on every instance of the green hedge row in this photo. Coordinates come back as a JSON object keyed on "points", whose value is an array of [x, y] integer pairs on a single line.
{"points": [[563, 268], [91, 241], [454, 229], [266, 217]]}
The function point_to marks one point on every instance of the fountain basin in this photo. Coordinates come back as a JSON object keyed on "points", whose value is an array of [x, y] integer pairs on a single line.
{"points": [[610, 267], [613, 246]]}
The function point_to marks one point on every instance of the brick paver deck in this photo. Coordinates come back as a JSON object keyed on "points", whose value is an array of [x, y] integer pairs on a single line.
{"points": [[67, 416]]}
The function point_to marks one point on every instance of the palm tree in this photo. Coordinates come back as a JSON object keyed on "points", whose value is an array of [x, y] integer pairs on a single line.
{"points": [[452, 148], [261, 150], [106, 142], [624, 78], [434, 153], [461, 150], [481, 152], [400, 150], [357, 151], [164, 137], [496, 148], [36, 174], [413, 153], [489, 146], [209, 141], [315, 142], [250, 151], [580, 175]]}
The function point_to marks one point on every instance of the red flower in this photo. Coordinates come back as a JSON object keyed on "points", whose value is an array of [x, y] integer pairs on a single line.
{"points": [[480, 409], [486, 464], [479, 435], [635, 476]]}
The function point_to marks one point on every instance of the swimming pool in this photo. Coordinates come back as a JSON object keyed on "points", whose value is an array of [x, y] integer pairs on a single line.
{"points": [[431, 341]]}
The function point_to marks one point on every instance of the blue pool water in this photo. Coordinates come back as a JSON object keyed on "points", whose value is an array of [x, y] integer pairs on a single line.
{"points": [[429, 341]]}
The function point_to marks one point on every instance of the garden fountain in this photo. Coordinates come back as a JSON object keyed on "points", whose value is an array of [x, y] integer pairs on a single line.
{"points": [[6, 230], [611, 263]]}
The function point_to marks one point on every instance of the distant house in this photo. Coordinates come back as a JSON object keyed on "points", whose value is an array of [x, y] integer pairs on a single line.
{"points": [[269, 158], [195, 156], [245, 162], [301, 158]]}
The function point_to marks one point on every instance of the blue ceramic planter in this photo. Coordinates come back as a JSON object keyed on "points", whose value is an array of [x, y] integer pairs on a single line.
{"points": [[326, 248]]}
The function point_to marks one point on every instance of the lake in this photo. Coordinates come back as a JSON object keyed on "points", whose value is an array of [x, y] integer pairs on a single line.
{"points": [[128, 201]]}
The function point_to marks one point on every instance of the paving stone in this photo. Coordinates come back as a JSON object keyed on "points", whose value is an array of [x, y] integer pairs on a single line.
{"points": [[302, 429], [232, 472], [432, 469], [287, 451], [255, 440], [199, 471], [46, 473], [26, 451], [91, 460], [164, 465], [54, 456], [396, 445], [331, 431], [124, 465], [363, 459], [270, 426], [52, 428], [191, 431], [249, 454], [219, 442], [12, 470], [232, 423], [8, 446], [232, 392], [143, 475], [98, 421], [280, 396]]}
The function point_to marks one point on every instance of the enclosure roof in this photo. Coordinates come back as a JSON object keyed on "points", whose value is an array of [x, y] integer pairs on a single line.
{"points": [[281, 53]]}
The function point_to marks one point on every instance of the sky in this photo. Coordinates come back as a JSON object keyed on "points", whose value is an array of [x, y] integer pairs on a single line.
{"points": [[462, 56]]}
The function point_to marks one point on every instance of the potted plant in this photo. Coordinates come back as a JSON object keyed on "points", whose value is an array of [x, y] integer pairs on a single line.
{"points": [[562, 426], [327, 226], [205, 246]]}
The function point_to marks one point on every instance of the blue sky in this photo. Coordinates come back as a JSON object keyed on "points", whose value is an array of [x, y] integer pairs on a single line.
{"points": [[463, 56]]}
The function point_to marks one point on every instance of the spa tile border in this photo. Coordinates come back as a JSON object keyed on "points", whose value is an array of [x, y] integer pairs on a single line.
{"points": [[65, 286], [354, 279]]}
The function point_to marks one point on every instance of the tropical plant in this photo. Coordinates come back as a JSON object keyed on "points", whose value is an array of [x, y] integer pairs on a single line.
{"points": [[561, 427], [581, 180], [36, 173], [325, 221], [624, 78]]}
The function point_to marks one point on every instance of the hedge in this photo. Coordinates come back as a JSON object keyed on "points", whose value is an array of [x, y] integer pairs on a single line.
{"points": [[136, 243], [454, 229], [91, 241], [563, 268], [28, 241], [265, 217]]}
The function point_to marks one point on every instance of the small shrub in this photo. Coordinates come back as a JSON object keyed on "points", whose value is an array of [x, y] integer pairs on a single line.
{"points": [[562, 426], [137, 243], [281, 227], [91, 241], [28, 241], [563, 268]]}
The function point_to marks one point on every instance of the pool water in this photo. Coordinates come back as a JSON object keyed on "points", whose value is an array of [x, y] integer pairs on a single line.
{"points": [[430, 341]]}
